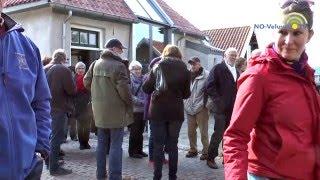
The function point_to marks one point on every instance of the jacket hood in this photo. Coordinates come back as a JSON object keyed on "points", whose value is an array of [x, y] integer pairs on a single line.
{"points": [[10, 24], [107, 54]]}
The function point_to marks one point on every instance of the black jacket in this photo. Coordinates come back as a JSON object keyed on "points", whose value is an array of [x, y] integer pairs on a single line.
{"points": [[222, 89], [168, 105]]}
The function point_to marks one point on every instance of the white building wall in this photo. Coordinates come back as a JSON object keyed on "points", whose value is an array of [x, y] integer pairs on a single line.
{"points": [[207, 60], [38, 28], [47, 30]]}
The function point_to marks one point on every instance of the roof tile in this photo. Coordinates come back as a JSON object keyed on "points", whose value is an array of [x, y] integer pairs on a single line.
{"points": [[179, 21], [114, 8], [229, 37]]}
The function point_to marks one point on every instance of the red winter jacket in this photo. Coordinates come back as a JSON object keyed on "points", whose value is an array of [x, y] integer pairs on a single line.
{"points": [[274, 129]]}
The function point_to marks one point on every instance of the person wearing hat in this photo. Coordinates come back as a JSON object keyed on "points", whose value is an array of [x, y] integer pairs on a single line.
{"points": [[109, 82], [197, 113]]}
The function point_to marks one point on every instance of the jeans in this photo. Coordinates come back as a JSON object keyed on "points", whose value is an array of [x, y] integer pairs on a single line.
{"points": [[136, 134], [150, 143], [115, 155], [36, 172], [165, 132], [255, 177], [57, 137]]}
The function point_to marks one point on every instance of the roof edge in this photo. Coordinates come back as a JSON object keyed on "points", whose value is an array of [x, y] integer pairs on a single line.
{"points": [[26, 7], [80, 11]]}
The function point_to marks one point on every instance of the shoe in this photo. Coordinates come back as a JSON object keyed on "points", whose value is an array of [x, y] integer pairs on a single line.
{"points": [[212, 164], [60, 172], [74, 139], [62, 153], [87, 146], [144, 154], [82, 147], [203, 157], [191, 154], [137, 156]]}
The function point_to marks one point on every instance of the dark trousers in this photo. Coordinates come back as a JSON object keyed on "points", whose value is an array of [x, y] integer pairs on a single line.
{"points": [[57, 137], [36, 172], [221, 123], [72, 127], [136, 134], [83, 125], [165, 132]]}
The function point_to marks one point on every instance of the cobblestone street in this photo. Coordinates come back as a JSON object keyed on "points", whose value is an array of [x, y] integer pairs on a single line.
{"points": [[83, 163]]}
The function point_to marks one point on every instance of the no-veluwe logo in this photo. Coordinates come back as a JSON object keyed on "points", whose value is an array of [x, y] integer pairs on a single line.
{"points": [[292, 21]]}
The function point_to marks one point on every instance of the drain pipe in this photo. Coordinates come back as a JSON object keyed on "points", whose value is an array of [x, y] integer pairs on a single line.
{"points": [[64, 27]]}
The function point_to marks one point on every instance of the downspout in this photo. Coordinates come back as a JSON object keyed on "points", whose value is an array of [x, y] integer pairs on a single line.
{"points": [[64, 27]]}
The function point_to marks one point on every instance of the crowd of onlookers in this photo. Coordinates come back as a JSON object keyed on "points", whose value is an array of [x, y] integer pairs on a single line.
{"points": [[114, 94], [268, 117]]}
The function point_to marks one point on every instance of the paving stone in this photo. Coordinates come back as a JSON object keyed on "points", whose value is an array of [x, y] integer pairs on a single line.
{"points": [[83, 162]]}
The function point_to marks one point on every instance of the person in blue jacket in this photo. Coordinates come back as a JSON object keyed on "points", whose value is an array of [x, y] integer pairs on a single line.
{"points": [[25, 108]]}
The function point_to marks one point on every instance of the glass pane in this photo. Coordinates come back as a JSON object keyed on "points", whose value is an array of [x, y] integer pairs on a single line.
{"points": [[92, 39], [83, 38], [151, 11], [158, 38], [141, 44], [75, 37], [137, 9]]}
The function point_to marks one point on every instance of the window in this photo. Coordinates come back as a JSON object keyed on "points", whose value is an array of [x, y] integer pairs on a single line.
{"points": [[144, 9], [84, 38]]}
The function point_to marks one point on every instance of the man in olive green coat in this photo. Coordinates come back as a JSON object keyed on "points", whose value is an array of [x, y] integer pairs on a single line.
{"points": [[108, 80]]}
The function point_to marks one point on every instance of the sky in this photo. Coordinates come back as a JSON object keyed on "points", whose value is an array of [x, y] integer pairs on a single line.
{"points": [[210, 14]]}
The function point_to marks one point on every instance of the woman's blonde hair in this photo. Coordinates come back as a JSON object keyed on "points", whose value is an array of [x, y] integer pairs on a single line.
{"points": [[172, 51]]}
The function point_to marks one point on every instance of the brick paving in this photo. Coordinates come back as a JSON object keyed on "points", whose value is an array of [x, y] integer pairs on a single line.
{"points": [[83, 163]]}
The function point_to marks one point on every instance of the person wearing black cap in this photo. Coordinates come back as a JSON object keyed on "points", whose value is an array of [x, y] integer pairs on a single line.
{"points": [[197, 113], [108, 79]]}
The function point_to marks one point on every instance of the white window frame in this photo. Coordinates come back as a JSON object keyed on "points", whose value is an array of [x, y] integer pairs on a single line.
{"points": [[99, 31]]}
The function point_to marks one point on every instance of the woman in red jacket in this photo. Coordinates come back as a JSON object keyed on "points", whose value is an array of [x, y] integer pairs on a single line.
{"points": [[274, 131]]}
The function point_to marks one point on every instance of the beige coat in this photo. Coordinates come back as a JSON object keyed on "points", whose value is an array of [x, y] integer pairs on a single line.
{"points": [[194, 104], [111, 97]]}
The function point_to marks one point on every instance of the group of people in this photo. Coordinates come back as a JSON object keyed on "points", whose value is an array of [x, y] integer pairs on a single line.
{"points": [[268, 117]]}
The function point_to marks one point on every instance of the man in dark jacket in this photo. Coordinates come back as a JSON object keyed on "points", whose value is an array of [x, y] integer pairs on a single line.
{"points": [[221, 88], [62, 89]]}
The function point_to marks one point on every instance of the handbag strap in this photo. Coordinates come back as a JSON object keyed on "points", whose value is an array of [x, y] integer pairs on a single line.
{"points": [[137, 91]]}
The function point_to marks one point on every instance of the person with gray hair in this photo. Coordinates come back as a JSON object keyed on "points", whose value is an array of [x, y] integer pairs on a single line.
{"points": [[221, 89], [136, 128], [81, 107], [62, 89]]}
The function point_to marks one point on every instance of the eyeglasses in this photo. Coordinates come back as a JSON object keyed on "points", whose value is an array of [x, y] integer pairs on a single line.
{"points": [[287, 3]]}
